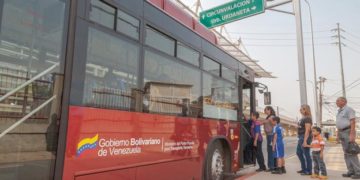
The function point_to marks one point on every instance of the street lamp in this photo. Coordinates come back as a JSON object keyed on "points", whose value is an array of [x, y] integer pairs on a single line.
{"points": [[264, 89], [315, 81]]}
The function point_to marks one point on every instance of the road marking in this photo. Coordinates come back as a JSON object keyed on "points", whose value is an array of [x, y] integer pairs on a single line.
{"points": [[290, 156]]}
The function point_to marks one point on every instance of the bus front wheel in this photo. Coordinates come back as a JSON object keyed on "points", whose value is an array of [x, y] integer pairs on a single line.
{"points": [[216, 163]]}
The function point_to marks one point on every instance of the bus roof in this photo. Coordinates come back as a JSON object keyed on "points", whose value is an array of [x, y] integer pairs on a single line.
{"points": [[189, 19]]}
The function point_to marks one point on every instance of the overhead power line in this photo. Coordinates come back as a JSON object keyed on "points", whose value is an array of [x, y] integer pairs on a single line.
{"points": [[352, 49], [348, 86], [353, 35], [286, 45], [354, 86], [355, 43], [280, 33], [281, 39]]}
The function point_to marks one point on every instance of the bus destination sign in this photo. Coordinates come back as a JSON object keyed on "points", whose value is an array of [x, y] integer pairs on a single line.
{"points": [[232, 11]]}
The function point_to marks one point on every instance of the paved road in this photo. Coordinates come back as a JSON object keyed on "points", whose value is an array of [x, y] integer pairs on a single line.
{"points": [[290, 152], [290, 146]]}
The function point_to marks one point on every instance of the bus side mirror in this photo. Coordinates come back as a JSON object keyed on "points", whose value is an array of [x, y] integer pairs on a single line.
{"points": [[267, 98]]}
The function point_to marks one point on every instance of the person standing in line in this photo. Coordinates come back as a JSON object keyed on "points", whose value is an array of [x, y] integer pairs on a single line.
{"points": [[304, 135], [317, 147], [345, 124], [278, 147], [258, 141], [268, 128]]}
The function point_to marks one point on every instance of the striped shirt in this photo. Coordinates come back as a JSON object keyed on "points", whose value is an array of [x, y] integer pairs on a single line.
{"points": [[317, 142]]}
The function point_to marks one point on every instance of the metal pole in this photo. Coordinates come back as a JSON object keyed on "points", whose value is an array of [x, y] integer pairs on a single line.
{"points": [[28, 82], [300, 48], [1, 13], [315, 105], [314, 62], [278, 4], [322, 81], [26, 117], [198, 6], [321, 104], [341, 61]]}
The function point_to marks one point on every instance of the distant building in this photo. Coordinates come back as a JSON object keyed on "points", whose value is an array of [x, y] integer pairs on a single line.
{"points": [[330, 127]]}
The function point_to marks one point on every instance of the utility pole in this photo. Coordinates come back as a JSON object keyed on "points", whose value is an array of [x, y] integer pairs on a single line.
{"points": [[300, 43], [338, 30], [197, 6], [321, 82], [314, 63], [300, 49]]}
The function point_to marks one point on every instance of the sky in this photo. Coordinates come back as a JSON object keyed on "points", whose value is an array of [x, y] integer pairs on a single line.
{"points": [[270, 38]]}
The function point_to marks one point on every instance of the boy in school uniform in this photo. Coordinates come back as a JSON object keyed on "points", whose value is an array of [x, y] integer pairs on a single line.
{"points": [[278, 146], [258, 139], [317, 147]]}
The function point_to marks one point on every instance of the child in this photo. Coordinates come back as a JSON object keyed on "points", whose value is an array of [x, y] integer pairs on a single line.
{"points": [[256, 133], [317, 147], [278, 145]]}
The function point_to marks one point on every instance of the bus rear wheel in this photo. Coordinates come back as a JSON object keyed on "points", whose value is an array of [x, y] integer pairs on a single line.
{"points": [[216, 163]]}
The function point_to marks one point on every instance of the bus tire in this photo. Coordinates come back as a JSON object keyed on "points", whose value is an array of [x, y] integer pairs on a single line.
{"points": [[216, 162]]}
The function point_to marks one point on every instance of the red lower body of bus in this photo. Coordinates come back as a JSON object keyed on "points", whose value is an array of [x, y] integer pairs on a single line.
{"points": [[113, 144]]}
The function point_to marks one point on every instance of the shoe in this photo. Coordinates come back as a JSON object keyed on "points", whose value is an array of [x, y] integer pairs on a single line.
{"points": [[306, 174], [301, 171], [283, 170], [323, 177], [314, 176], [277, 171], [355, 176], [269, 170], [347, 174], [259, 170]]}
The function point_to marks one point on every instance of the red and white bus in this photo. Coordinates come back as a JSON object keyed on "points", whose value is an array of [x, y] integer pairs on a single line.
{"points": [[117, 89]]}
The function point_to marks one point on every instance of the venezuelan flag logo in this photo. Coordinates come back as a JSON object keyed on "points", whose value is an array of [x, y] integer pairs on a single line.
{"points": [[87, 143]]}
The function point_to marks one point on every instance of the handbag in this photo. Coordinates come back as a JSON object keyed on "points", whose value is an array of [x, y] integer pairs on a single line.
{"points": [[353, 148]]}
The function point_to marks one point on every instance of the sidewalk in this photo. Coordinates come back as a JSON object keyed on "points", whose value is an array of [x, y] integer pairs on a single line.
{"points": [[334, 160]]}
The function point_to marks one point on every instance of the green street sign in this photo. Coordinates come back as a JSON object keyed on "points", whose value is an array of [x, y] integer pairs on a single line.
{"points": [[232, 11]]}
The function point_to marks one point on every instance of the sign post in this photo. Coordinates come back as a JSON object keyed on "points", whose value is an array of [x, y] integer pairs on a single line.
{"points": [[232, 11]]}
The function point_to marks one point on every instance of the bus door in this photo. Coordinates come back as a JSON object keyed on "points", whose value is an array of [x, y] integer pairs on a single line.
{"points": [[31, 81], [246, 99]]}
